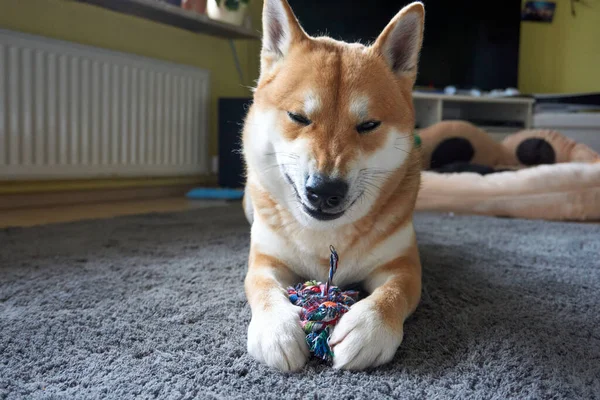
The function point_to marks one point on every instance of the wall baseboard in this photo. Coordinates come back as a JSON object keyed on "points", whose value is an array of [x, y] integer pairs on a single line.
{"points": [[100, 195], [69, 185]]}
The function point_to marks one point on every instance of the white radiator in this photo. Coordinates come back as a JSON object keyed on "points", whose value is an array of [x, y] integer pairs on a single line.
{"points": [[72, 111]]}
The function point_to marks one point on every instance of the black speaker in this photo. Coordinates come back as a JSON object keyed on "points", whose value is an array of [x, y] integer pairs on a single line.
{"points": [[232, 112]]}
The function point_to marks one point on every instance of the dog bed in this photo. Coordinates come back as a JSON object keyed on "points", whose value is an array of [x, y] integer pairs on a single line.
{"points": [[533, 174]]}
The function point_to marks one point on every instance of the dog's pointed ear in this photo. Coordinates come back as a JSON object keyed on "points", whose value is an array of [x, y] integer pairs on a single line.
{"points": [[281, 31], [401, 40]]}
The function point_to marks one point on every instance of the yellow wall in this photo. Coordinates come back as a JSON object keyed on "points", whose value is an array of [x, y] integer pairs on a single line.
{"points": [[563, 56], [90, 25], [560, 57]]}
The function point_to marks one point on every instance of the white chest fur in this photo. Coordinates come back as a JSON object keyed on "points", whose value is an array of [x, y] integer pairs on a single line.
{"points": [[305, 253]]}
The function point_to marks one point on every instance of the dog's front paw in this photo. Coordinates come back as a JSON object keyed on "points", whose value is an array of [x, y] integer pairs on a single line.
{"points": [[276, 338], [362, 339]]}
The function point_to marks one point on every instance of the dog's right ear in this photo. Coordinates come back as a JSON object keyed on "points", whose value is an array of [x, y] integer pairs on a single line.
{"points": [[281, 30], [400, 42]]}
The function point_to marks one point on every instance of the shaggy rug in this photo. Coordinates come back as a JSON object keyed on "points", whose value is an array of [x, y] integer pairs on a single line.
{"points": [[152, 306]]}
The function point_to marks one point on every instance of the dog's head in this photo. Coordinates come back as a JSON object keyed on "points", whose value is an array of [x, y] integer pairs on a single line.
{"points": [[331, 122]]}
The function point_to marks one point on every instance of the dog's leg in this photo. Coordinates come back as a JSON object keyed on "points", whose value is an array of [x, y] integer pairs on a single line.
{"points": [[275, 335], [248, 206], [370, 333]]}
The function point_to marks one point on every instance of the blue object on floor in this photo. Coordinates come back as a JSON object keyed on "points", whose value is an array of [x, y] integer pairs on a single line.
{"points": [[215, 193]]}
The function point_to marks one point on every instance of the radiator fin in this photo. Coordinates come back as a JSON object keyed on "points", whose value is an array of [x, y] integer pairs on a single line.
{"points": [[73, 111]]}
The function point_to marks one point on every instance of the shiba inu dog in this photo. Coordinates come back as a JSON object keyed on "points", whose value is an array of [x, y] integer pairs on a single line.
{"points": [[330, 160]]}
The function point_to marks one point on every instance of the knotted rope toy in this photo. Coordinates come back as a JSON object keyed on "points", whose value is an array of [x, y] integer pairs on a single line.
{"points": [[322, 307]]}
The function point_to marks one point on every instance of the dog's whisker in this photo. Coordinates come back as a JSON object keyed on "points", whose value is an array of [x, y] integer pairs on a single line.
{"points": [[284, 154], [289, 166], [401, 149], [403, 137], [373, 185], [380, 180]]}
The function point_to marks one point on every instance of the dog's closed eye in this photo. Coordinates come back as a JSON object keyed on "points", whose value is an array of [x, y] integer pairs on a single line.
{"points": [[367, 126], [299, 118]]}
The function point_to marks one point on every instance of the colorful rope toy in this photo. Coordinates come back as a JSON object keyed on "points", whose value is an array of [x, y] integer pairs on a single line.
{"points": [[322, 307]]}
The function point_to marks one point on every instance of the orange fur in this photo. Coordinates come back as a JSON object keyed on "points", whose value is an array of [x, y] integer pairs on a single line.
{"points": [[400, 295], [258, 286], [336, 73], [339, 71]]}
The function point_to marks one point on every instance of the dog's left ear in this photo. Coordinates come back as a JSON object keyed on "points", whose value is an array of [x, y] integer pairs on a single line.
{"points": [[281, 31], [400, 42]]}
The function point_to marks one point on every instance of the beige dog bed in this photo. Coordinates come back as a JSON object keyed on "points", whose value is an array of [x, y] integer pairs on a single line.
{"points": [[567, 189]]}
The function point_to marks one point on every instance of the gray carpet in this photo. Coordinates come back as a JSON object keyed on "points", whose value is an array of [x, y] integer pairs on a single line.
{"points": [[153, 307]]}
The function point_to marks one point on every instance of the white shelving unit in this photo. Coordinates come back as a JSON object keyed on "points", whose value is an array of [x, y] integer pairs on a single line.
{"points": [[499, 116]]}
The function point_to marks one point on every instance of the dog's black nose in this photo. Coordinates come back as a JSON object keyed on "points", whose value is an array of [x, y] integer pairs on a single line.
{"points": [[325, 193]]}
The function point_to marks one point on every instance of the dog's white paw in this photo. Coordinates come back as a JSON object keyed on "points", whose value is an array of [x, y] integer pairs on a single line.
{"points": [[276, 338], [361, 339]]}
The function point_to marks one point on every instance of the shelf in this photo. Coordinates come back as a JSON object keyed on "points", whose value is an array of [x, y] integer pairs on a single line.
{"points": [[481, 99], [497, 115], [169, 14]]}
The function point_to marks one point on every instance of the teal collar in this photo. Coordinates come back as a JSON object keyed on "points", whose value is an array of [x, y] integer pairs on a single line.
{"points": [[416, 139]]}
